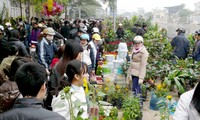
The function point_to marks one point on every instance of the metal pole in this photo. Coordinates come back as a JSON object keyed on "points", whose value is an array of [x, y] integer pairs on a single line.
{"points": [[115, 14]]}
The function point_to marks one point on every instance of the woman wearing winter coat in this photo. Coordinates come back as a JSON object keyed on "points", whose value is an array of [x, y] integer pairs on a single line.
{"points": [[138, 64]]}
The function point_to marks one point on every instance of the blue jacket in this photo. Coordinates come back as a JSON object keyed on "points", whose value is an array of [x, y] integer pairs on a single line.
{"points": [[45, 51], [181, 46], [196, 51]]}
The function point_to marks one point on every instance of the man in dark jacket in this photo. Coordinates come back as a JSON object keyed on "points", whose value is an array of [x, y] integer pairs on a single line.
{"points": [[196, 49], [4, 48], [65, 30], [180, 44], [46, 48], [138, 30], [14, 41], [120, 31], [31, 80]]}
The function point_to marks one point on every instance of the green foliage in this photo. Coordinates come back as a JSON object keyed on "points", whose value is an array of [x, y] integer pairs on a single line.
{"points": [[131, 108], [183, 74]]}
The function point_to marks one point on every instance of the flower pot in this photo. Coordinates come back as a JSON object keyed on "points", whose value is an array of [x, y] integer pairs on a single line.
{"points": [[154, 101]]}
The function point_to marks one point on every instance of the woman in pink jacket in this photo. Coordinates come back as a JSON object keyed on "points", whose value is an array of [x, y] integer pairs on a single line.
{"points": [[138, 64]]}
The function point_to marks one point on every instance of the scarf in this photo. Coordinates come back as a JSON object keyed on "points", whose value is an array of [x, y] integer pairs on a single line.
{"points": [[137, 50]]}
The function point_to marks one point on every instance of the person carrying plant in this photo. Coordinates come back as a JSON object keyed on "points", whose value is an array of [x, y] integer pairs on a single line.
{"points": [[137, 68]]}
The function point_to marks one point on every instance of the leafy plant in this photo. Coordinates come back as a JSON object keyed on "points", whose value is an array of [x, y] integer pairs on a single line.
{"points": [[161, 90], [66, 94], [131, 108]]}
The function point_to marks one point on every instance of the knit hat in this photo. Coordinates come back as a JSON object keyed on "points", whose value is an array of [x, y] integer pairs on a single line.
{"points": [[138, 39]]}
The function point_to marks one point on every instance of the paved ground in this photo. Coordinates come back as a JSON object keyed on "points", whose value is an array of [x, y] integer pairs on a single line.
{"points": [[149, 114]]}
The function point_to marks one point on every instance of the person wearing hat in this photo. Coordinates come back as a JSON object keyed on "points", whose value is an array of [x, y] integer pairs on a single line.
{"points": [[46, 48], [137, 68], [87, 55], [8, 29], [196, 49], [120, 31], [96, 38], [180, 45]]}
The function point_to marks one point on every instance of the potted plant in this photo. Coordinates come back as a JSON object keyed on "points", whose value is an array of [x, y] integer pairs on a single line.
{"points": [[131, 108]]}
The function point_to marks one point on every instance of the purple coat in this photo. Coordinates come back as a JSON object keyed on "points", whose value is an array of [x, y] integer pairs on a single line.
{"points": [[34, 35]]}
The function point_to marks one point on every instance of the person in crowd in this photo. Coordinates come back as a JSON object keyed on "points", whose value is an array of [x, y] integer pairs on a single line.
{"points": [[46, 48], [57, 57], [196, 49], [75, 71], [188, 107], [94, 46], [79, 33], [10, 66], [120, 31], [73, 31], [28, 28], [138, 30], [180, 45], [87, 55], [72, 51], [31, 80], [14, 41], [65, 30], [6, 62], [22, 32], [4, 45], [138, 64], [8, 29], [144, 27], [35, 33]]}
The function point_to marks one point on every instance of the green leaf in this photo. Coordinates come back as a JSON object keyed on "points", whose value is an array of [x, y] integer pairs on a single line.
{"points": [[100, 94], [104, 103], [179, 86]]}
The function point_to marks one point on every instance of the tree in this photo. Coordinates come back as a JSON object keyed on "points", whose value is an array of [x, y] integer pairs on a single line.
{"points": [[184, 14], [89, 6]]}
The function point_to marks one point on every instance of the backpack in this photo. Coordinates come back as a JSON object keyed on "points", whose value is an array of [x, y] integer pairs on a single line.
{"points": [[7, 96]]}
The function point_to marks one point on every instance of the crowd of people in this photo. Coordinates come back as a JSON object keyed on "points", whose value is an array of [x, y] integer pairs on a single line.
{"points": [[39, 85]]}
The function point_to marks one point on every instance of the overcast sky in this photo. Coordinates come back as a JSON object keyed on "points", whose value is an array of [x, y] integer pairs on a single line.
{"points": [[148, 5]]}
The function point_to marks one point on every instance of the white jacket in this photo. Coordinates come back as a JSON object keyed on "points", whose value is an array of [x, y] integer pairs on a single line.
{"points": [[86, 55], [185, 110], [94, 48], [61, 106]]}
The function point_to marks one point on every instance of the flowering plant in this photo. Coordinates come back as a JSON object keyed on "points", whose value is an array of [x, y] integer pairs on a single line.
{"points": [[66, 94], [161, 90], [168, 108], [51, 8]]}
